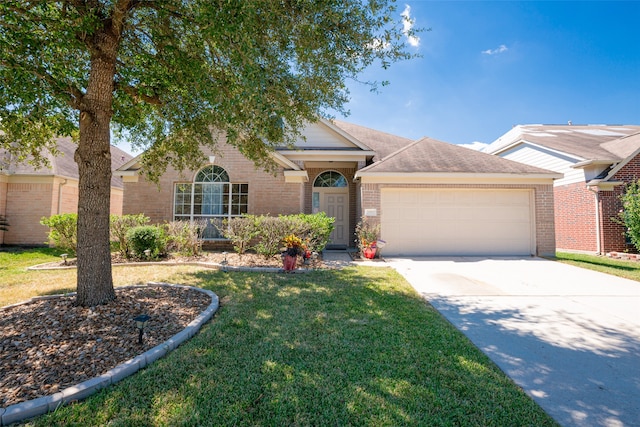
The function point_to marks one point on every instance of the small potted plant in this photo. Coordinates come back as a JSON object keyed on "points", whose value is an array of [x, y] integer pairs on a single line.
{"points": [[367, 238], [293, 248]]}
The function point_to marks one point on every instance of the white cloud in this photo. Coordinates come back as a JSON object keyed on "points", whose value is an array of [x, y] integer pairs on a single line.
{"points": [[407, 24], [501, 49], [475, 145]]}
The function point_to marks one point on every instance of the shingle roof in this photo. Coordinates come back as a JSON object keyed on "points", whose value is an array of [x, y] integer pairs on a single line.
{"points": [[63, 164], [587, 142], [381, 142], [428, 155]]}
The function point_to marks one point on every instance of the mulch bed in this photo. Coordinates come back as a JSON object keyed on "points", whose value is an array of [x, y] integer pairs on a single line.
{"points": [[49, 345]]}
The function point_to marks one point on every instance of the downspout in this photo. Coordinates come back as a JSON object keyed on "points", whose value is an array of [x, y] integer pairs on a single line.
{"points": [[598, 237], [62, 182]]}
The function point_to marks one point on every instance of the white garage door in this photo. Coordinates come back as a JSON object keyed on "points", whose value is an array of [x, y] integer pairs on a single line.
{"points": [[457, 222]]}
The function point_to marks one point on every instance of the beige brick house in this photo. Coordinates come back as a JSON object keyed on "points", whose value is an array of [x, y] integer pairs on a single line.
{"points": [[27, 194], [430, 197], [596, 162]]}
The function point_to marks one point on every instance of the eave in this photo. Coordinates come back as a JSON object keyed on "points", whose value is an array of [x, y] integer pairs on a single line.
{"points": [[327, 155], [454, 178]]}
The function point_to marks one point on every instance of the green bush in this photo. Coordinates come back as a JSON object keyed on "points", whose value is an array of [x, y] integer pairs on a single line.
{"points": [[63, 232], [146, 237], [315, 230], [630, 214], [120, 225], [271, 232], [240, 231], [185, 237]]}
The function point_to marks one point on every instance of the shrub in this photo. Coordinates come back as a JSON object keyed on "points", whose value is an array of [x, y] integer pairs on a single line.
{"points": [[630, 213], [272, 231], [64, 231], [315, 230], [146, 237], [185, 236], [120, 225], [240, 231]]}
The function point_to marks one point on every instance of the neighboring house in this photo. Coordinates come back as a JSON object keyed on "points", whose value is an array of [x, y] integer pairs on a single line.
{"points": [[430, 197], [27, 194], [596, 161]]}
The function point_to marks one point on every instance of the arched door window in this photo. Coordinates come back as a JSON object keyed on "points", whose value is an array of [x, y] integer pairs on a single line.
{"points": [[330, 179], [209, 199]]}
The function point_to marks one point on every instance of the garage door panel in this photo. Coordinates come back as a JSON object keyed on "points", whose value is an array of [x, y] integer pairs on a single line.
{"points": [[456, 222]]}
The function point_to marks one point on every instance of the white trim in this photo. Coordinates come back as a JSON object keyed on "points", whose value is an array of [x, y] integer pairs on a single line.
{"points": [[327, 155], [443, 177]]}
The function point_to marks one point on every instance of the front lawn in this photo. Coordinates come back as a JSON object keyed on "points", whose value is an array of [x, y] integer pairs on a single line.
{"points": [[336, 347], [615, 267]]}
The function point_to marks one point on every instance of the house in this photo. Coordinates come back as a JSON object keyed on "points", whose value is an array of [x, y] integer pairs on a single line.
{"points": [[596, 162], [27, 193], [430, 197]]}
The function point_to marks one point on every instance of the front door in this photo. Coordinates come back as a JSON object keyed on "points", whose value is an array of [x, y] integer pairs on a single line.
{"points": [[336, 205], [331, 195]]}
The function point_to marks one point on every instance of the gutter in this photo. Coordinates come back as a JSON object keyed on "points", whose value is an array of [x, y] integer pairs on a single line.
{"points": [[62, 182]]}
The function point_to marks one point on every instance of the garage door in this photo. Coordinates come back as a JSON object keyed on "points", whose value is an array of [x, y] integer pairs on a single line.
{"points": [[457, 222]]}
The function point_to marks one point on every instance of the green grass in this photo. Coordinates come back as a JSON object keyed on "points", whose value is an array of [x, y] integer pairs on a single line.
{"points": [[338, 347], [615, 267]]}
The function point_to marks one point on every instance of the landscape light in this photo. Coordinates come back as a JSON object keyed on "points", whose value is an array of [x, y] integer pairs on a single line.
{"points": [[141, 322]]}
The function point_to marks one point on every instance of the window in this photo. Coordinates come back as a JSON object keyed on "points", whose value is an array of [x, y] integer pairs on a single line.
{"points": [[330, 179], [211, 197]]}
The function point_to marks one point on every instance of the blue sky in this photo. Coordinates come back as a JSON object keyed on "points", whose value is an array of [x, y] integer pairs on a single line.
{"points": [[487, 66]]}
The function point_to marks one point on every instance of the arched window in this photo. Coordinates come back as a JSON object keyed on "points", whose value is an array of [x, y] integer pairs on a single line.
{"points": [[209, 199], [330, 179]]}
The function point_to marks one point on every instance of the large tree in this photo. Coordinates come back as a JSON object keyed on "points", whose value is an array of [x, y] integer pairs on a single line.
{"points": [[164, 74]]}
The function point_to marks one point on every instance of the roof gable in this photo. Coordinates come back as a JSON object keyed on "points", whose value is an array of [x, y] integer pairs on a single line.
{"points": [[587, 142], [432, 156], [324, 135]]}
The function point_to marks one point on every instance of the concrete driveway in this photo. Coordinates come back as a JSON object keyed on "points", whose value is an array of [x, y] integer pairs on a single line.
{"points": [[569, 337]]}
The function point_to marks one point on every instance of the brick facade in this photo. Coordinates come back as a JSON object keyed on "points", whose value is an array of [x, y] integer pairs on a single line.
{"points": [[543, 209], [581, 214], [24, 200], [613, 234], [268, 194], [575, 215]]}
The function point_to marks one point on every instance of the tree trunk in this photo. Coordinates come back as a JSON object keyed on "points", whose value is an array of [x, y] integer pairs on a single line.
{"points": [[93, 156]]}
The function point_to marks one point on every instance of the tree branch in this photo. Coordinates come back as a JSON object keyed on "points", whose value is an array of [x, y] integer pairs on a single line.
{"points": [[137, 96]]}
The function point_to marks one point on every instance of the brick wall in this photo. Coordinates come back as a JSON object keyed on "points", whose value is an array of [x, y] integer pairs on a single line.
{"points": [[543, 199], [613, 238], [268, 194], [25, 200], [26, 204], [575, 217]]}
